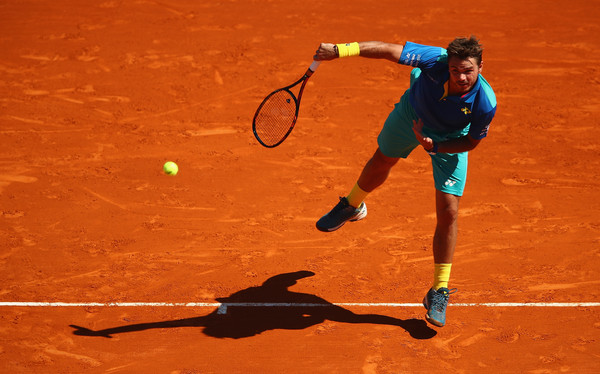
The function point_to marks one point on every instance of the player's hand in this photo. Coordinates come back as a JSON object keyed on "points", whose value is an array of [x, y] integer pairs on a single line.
{"points": [[325, 52], [425, 141]]}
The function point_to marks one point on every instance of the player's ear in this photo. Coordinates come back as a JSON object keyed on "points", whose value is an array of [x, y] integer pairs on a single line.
{"points": [[480, 66]]}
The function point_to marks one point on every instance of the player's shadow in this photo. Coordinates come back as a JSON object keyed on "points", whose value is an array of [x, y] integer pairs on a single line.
{"points": [[251, 311]]}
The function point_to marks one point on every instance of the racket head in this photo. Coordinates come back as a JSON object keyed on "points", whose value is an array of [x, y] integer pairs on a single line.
{"points": [[275, 118]]}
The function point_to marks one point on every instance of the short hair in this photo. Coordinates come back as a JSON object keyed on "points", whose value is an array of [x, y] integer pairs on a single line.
{"points": [[465, 48]]}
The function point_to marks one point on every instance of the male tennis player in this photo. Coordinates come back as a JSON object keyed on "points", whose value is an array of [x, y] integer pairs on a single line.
{"points": [[447, 110]]}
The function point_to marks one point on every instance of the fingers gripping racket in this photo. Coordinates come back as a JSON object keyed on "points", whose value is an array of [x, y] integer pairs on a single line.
{"points": [[276, 116]]}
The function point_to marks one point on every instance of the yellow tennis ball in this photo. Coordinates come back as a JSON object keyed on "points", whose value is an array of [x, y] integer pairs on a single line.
{"points": [[170, 168]]}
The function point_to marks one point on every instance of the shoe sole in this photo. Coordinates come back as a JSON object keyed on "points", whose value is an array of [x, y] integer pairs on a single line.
{"points": [[360, 215], [433, 321]]}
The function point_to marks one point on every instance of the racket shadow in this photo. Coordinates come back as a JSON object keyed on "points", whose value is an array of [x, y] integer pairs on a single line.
{"points": [[246, 316]]}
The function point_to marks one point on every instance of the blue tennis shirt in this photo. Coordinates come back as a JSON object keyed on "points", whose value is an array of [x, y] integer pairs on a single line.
{"points": [[429, 98]]}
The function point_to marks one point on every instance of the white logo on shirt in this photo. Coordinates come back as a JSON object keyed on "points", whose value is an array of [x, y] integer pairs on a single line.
{"points": [[413, 59]]}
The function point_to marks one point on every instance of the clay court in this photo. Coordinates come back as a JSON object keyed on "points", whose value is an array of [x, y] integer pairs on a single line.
{"points": [[107, 265]]}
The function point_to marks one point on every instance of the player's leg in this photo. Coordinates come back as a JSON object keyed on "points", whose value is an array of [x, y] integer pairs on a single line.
{"points": [[450, 174], [444, 242], [352, 208], [446, 229], [376, 171], [396, 140]]}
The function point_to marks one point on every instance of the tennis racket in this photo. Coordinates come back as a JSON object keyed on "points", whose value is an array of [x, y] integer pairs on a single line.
{"points": [[276, 116]]}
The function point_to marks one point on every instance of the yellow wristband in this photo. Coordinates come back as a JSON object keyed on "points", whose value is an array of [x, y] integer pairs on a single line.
{"points": [[348, 49]]}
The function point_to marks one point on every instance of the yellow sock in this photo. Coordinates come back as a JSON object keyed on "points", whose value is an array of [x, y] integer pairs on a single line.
{"points": [[441, 276], [356, 196]]}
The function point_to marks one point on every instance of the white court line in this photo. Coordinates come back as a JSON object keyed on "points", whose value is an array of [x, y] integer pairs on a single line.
{"points": [[290, 305]]}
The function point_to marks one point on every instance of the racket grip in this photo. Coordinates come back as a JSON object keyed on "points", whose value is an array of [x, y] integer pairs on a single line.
{"points": [[314, 66]]}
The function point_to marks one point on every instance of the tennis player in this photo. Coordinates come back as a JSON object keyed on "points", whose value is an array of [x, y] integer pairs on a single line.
{"points": [[447, 111]]}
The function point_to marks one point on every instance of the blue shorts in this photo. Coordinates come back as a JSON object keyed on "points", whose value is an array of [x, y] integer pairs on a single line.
{"points": [[397, 140]]}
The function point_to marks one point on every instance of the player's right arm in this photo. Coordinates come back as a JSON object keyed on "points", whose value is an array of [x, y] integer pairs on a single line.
{"points": [[370, 49]]}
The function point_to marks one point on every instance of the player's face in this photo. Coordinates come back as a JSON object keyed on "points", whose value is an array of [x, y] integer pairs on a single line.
{"points": [[463, 75]]}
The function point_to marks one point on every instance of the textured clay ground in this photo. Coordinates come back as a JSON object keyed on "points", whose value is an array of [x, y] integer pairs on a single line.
{"points": [[96, 96]]}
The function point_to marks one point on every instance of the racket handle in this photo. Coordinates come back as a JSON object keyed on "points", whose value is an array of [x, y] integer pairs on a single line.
{"points": [[314, 66]]}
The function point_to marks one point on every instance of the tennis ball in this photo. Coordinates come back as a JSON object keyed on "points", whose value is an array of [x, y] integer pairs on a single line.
{"points": [[170, 168]]}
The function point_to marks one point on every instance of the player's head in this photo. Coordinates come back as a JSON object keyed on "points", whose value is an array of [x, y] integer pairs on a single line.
{"points": [[464, 48], [465, 64], [287, 279]]}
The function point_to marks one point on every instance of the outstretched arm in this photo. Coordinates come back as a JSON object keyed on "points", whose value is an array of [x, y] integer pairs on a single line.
{"points": [[372, 49]]}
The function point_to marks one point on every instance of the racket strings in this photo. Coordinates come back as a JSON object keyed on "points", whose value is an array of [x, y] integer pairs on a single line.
{"points": [[276, 117]]}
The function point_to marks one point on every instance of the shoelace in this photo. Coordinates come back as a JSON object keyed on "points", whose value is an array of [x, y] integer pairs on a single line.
{"points": [[440, 299], [339, 207]]}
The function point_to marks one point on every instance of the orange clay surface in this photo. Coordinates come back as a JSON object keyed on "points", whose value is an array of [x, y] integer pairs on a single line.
{"points": [[95, 97]]}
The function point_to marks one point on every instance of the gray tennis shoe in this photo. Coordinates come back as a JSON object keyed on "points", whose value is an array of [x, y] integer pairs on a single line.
{"points": [[340, 214]]}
